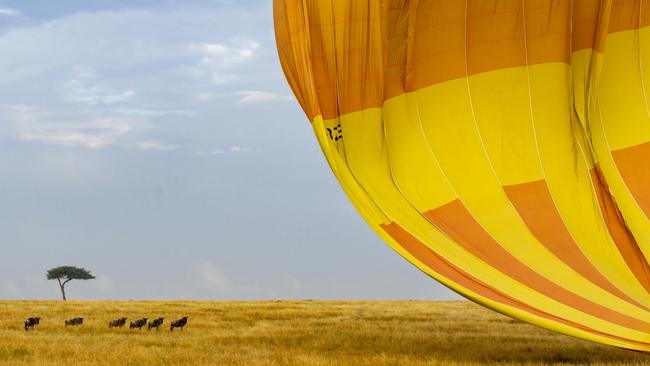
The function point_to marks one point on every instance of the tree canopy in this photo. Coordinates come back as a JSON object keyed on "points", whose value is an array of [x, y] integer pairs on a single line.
{"points": [[68, 273], [65, 274]]}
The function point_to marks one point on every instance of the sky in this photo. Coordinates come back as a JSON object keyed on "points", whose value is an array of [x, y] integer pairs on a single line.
{"points": [[156, 143]]}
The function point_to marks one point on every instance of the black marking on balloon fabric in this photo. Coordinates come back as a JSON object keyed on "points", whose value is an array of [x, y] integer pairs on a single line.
{"points": [[335, 133]]}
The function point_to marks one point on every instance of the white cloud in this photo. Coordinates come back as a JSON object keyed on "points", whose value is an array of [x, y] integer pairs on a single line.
{"points": [[216, 58], [9, 12], [32, 124], [256, 96], [222, 55], [69, 139], [239, 149], [141, 67], [152, 112], [235, 149], [152, 145], [95, 96], [85, 89]]}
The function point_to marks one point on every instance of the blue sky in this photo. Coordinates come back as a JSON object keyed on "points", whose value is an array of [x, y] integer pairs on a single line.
{"points": [[157, 144]]}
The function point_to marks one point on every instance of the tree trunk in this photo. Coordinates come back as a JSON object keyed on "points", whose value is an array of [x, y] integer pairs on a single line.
{"points": [[62, 286]]}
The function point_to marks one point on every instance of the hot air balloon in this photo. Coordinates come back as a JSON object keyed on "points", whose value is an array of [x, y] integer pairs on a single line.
{"points": [[502, 147]]}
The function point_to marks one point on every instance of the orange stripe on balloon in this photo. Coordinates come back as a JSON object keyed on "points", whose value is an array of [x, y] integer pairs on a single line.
{"points": [[536, 207], [625, 15], [451, 272], [493, 35], [292, 38], [454, 220], [548, 31], [585, 24], [398, 49], [337, 67], [633, 164], [438, 44]]}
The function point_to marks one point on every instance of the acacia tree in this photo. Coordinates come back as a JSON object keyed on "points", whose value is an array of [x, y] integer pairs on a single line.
{"points": [[65, 274]]}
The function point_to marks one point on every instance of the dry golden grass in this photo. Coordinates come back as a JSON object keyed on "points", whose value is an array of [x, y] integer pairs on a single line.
{"points": [[290, 333]]}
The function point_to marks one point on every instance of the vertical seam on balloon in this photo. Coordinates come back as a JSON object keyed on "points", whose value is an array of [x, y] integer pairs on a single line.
{"points": [[337, 86], [618, 172], [571, 34], [333, 164], [599, 212], [640, 59], [605, 7], [611, 240], [543, 171], [530, 97], [539, 155], [293, 85], [575, 138], [313, 99], [594, 196], [312, 96], [601, 124]]}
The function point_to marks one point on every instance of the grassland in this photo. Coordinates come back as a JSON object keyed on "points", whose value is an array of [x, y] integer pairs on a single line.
{"points": [[290, 333]]}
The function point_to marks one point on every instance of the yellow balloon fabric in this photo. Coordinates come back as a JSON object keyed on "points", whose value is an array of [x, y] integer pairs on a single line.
{"points": [[502, 147]]}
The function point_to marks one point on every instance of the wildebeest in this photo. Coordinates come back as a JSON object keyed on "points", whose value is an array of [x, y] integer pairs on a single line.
{"points": [[180, 323], [155, 323], [138, 323], [31, 323], [117, 323], [74, 322]]}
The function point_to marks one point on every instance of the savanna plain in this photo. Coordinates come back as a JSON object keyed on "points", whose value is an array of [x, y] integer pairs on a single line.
{"points": [[289, 333]]}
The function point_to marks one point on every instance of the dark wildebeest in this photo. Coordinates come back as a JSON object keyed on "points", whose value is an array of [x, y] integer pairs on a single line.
{"points": [[138, 323], [155, 323], [180, 323], [74, 322], [31, 323], [117, 323]]}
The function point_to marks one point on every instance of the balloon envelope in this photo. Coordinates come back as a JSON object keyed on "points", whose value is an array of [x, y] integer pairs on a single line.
{"points": [[502, 147]]}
